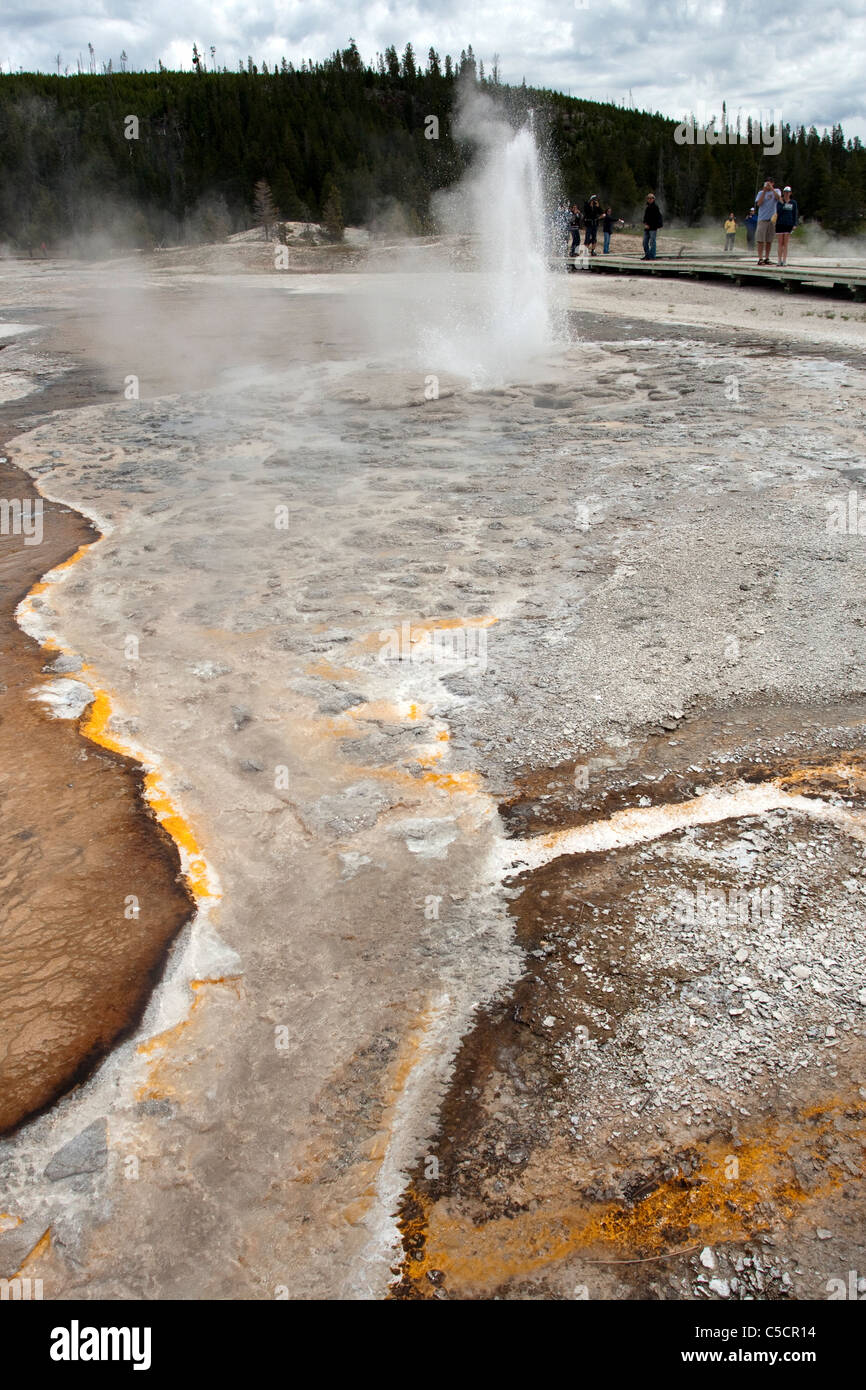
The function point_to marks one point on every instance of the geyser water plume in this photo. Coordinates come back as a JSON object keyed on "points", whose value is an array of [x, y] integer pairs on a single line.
{"points": [[500, 319]]}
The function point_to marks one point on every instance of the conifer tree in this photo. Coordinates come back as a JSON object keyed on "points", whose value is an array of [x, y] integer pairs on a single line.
{"points": [[264, 211], [332, 210]]}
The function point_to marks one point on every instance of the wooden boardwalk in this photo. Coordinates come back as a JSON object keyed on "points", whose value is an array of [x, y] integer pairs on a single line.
{"points": [[843, 278]]}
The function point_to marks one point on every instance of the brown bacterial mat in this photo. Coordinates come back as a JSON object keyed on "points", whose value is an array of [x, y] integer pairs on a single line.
{"points": [[76, 840]]}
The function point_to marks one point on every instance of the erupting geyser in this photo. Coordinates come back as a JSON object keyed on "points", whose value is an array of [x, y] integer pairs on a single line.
{"points": [[502, 318]]}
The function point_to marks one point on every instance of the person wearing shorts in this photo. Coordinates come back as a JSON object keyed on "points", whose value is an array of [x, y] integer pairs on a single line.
{"points": [[765, 205], [787, 217]]}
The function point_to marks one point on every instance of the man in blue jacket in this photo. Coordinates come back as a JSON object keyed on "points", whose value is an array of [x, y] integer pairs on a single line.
{"points": [[750, 223]]}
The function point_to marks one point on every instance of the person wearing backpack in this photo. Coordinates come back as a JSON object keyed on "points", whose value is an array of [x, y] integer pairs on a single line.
{"points": [[787, 218]]}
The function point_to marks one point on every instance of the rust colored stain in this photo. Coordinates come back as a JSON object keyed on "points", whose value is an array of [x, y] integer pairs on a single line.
{"points": [[374, 640], [42, 1246], [847, 776], [388, 711], [716, 1203], [160, 1083]]}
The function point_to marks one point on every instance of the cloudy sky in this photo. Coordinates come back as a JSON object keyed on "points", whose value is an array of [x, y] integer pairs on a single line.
{"points": [[802, 60]]}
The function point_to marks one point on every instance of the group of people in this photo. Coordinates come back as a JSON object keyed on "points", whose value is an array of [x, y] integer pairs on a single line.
{"points": [[776, 215], [570, 221]]}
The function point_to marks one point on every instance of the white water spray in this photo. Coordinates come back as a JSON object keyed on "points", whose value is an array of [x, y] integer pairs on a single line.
{"points": [[501, 320]]}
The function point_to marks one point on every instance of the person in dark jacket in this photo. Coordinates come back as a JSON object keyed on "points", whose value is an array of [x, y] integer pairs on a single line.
{"points": [[608, 222], [574, 225], [750, 223], [652, 222], [787, 217], [561, 229], [592, 215]]}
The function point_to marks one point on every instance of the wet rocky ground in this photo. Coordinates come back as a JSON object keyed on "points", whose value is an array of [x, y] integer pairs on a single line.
{"points": [[670, 1103], [640, 536]]}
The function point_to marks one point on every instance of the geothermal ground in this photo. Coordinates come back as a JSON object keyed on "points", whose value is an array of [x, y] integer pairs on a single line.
{"points": [[434, 818]]}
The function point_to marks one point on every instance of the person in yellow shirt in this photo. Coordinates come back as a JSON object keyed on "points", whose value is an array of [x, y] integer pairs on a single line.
{"points": [[730, 232]]}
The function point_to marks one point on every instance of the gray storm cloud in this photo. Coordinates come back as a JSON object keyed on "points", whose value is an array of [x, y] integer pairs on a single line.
{"points": [[683, 57]]}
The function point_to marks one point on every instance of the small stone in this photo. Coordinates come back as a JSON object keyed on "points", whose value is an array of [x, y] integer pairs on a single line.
{"points": [[708, 1259], [823, 1234], [721, 1287], [86, 1153], [210, 670], [64, 665]]}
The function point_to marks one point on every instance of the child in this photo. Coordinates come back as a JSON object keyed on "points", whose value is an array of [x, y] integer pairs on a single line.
{"points": [[787, 217], [730, 232]]}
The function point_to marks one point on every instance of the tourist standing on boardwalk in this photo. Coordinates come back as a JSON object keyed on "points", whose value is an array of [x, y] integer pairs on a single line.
{"points": [[592, 214], [765, 203], [652, 222], [608, 222], [574, 226], [750, 223], [787, 217], [730, 232], [561, 229]]}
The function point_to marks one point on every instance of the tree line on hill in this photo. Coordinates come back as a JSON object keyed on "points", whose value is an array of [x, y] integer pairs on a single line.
{"points": [[144, 158]]}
